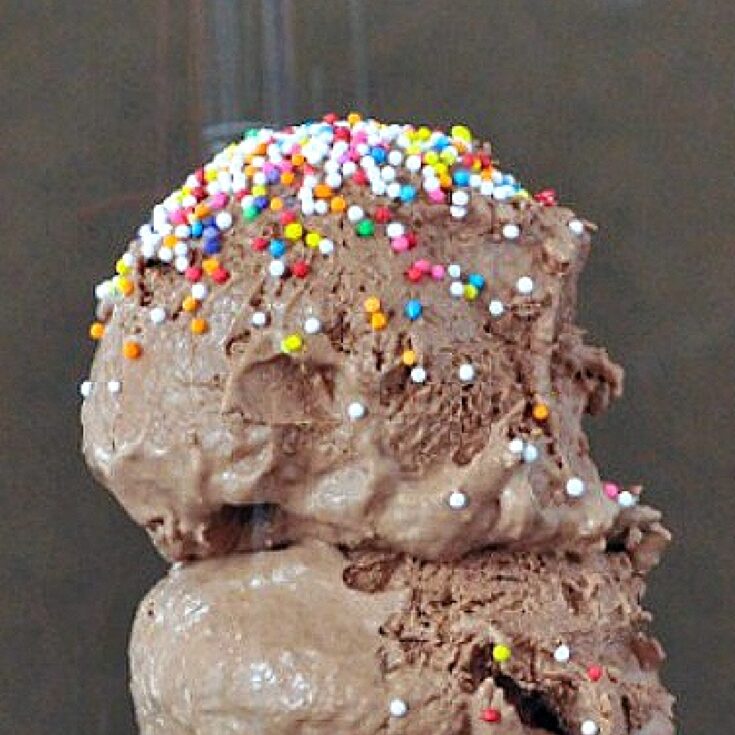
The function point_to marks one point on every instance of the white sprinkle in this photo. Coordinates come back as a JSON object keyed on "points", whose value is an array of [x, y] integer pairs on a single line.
{"points": [[418, 374], [496, 308], [321, 207], [259, 319], [460, 198], [395, 158], [182, 231], [487, 188], [575, 487], [379, 188], [199, 291], [576, 227], [326, 246], [466, 372], [165, 254], [114, 386], [626, 499], [181, 263], [355, 213], [128, 259], [148, 250], [308, 207], [454, 270], [530, 453], [85, 388], [511, 231], [333, 180], [349, 168], [393, 190], [589, 728], [456, 289], [515, 446], [413, 163], [457, 212], [388, 173], [276, 268], [356, 410], [223, 220], [158, 315], [398, 708], [181, 248], [562, 654], [312, 325], [457, 500], [524, 285], [394, 229]]}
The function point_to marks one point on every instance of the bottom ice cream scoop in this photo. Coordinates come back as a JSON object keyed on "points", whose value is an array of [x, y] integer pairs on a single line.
{"points": [[308, 640]]}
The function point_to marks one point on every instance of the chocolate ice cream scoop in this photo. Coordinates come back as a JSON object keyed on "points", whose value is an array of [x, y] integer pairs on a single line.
{"points": [[355, 332], [312, 640]]}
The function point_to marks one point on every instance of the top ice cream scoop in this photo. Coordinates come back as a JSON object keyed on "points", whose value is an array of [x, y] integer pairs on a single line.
{"points": [[357, 332]]}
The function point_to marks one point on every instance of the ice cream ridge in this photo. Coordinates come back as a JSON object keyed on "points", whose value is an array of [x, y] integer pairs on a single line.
{"points": [[339, 383]]}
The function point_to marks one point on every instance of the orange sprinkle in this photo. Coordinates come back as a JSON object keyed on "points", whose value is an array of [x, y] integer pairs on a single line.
{"points": [[298, 159], [378, 320], [408, 358], [131, 349], [126, 286], [276, 204], [96, 330], [201, 210], [338, 204], [322, 191], [353, 118], [287, 178], [372, 304], [445, 181], [250, 171], [487, 173], [210, 265], [190, 304], [199, 325], [170, 240], [540, 412], [261, 150]]}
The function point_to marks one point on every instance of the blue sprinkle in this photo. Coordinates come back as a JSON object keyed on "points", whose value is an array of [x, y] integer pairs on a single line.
{"points": [[273, 176], [408, 193], [461, 177], [211, 232], [212, 247], [277, 248], [207, 221], [441, 143], [413, 309], [261, 202], [378, 154], [476, 280], [196, 229]]}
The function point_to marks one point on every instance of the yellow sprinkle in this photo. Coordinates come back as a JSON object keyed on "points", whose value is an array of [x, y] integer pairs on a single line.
{"points": [[190, 304], [124, 285], [122, 267], [413, 149], [276, 204], [423, 133], [199, 325], [259, 190], [470, 292], [96, 330], [312, 239], [353, 118], [210, 175], [540, 412], [501, 653], [449, 157], [292, 343], [210, 265], [293, 231], [378, 320], [441, 168], [408, 358], [372, 304], [461, 132], [431, 157]]}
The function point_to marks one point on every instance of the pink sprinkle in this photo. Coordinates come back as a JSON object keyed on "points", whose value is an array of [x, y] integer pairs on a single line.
{"points": [[423, 265], [218, 201], [437, 272], [611, 490], [399, 244], [436, 196], [178, 217], [193, 274]]}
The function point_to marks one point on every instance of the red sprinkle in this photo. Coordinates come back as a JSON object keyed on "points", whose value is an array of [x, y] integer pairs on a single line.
{"points": [[360, 177], [382, 215], [413, 241], [193, 274], [220, 275], [594, 673], [547, 197], [300, 269], [259, 244], [330, 118], [414, 274], [490, 715], [288, 216]]}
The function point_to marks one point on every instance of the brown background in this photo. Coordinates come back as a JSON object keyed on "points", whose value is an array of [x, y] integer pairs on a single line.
{"points": [[626, 107]]}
